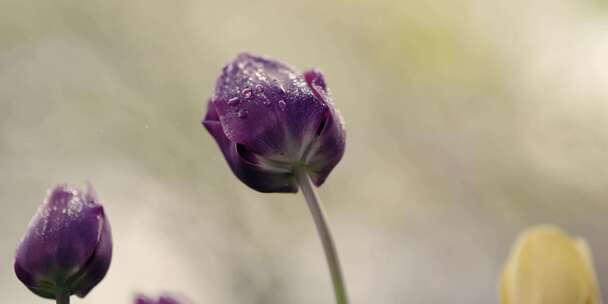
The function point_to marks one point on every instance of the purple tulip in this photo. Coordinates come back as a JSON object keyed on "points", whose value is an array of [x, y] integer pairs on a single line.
{"points": [[68, 246], [164, 299], [268, 120]]}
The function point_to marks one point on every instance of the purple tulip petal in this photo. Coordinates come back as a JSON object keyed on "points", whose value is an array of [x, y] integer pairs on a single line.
{"points": [[140, 299], [97, 266], [244, 164], [278, 118], [327, 150], [167, 300], [164, 299], [43, 289], [62, 235], [315, 80]]}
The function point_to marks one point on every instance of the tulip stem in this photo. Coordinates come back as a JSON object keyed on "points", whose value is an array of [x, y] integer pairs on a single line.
{"points": [[318, 214], [63, 298]]}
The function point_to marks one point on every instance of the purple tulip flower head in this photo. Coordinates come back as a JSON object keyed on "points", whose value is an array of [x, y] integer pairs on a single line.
{"points": [[269, 119], [164, 299], [68, 246]]}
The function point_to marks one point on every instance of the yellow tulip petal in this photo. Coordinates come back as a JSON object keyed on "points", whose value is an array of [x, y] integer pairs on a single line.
{"points": [[504, 288], [585, 252], [546, 266]]}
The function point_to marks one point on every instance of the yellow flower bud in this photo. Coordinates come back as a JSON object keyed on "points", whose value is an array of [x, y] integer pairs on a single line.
{"points": [[547, 266]]}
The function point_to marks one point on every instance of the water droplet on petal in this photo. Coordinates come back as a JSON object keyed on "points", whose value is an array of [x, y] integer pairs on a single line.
{"points": [[246, 93], [259, 89], [282, 105], [75, 206], [242, 113], [233, 101]]}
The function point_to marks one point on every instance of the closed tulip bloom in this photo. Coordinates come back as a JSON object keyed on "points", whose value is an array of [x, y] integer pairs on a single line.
{"points": [[68, 246], [164, 299], [268, 119], [547, 266]]}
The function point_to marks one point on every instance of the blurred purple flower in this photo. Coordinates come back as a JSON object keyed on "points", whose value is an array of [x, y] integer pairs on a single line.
{"points": [[268, 119], [68, 246], [164, 299]]}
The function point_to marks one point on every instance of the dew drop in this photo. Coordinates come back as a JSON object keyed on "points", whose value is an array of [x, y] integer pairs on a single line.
{"points": [[247, 92], [259, 89], [282, 105], [45, 224], [75, 206], [233, 101], [242, 113]]}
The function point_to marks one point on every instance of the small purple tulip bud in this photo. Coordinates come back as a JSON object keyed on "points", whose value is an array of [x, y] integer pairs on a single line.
{"points": [[164, 299], [68, 246], [268, 119]]}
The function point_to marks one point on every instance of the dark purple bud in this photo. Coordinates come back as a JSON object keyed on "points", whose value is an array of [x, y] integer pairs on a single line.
{"points": [[269, 119], [68, 246], [164, 299]]}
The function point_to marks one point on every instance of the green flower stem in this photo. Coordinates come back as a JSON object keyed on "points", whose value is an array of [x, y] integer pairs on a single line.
{"points": [[331, 254], [63, 298]]}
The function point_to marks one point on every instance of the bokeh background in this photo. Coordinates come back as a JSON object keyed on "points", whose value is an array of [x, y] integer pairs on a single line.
{"points": [[467, 120]]}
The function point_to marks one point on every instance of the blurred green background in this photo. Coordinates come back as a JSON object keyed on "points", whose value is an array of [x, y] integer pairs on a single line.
{"points": [[467, 121]]}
